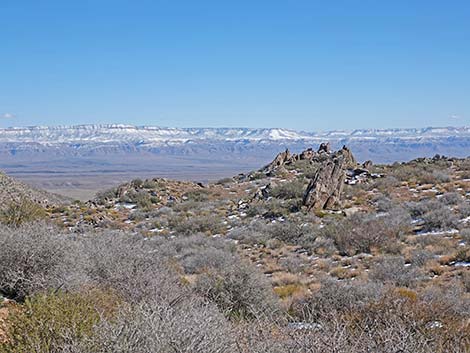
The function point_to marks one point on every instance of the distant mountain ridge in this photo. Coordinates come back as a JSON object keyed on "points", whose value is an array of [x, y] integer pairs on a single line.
{"points": [[87, 157], [156, 136]]}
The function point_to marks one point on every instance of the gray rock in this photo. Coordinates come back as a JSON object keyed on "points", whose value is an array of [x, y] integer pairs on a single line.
{"points": [[324, 190]]}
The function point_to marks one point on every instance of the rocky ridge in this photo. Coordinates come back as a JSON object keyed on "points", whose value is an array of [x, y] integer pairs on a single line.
{"points": [[13, 190]]}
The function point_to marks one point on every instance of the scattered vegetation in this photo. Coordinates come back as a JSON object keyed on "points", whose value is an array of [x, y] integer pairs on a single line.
{"points": [[164, 266]]}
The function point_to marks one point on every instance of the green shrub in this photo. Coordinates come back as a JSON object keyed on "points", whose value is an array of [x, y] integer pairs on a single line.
{"points": [[23, 211], [289, 190], [46, 323], [200, 195]]}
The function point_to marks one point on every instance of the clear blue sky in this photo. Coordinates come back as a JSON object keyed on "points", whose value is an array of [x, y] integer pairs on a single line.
{"points": [[311, 65]]}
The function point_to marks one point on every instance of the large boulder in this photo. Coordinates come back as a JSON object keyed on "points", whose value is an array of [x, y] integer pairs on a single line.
{"points": [[281, 159], [324, 190], [349, 160], [324, 147]]}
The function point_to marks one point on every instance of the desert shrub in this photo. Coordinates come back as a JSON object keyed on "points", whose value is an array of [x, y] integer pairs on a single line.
{"points": [[362, 232], [141, 198], [358, 317], [129, 264], [383, 203], [187, 325], [448, 300], [276, 208], [256, 232], [292, 263], [465, 277], [441, 218], [239, 291], [137, 183], [465, 234], [21, 211], [419, 258], [196, 224], [433, 214], [149, 184], [439, 176], [304, 166], [260, 232], [464, 209], [385, 184], [320, 245], [103, 196], [199, 195], [198, 253], [34, 258], [289, 190], [138, 215], [419, 208], [392, 270], [420, 173], [289, 232], [451, 198], [225, 181], [335, 297], [47, 323]]}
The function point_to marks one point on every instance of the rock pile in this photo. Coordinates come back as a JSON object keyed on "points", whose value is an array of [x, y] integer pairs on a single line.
{"points": [[334, 170], [287, 158]]}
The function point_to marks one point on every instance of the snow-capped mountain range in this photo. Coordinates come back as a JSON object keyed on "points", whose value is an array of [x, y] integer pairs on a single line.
{"points": [[155, 136], [75, 157]]}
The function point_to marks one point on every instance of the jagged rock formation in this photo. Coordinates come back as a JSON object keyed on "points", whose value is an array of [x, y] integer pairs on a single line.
{"points": [[281, 159], [324, 190], [323, 154], [349, 160], [324, 147]]}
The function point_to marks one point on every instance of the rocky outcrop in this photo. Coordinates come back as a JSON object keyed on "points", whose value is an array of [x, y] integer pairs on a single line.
{"points": [[281, 159], [286, 157], [324, 147], [263, 192], [324, 190], [308, 154], [349, 160]]}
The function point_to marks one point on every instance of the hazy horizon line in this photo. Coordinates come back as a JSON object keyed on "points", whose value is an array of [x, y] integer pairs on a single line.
{"points": [[139, 126]]}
